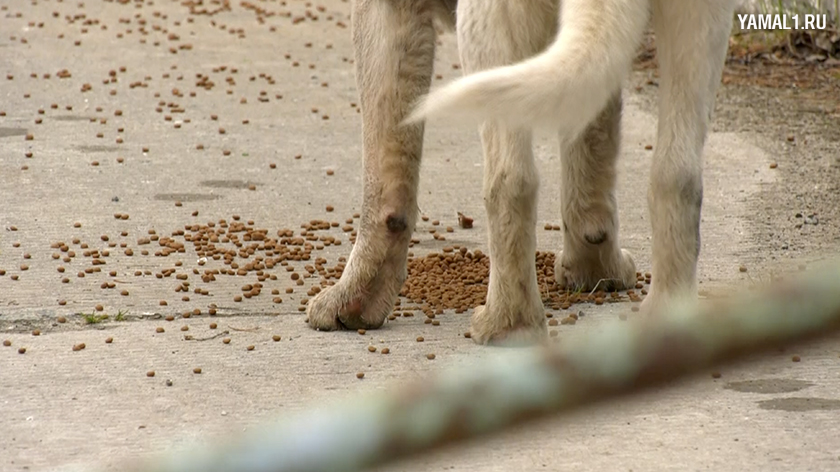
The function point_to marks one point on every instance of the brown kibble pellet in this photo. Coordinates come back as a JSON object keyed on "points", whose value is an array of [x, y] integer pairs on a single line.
{"points": [[430, 356], [160, 329], [99, 308], [36, 332], [150, 373], [715, 375], [109, 340], [742, 269], [275, 338], [212, 325], [79, 347], [226, 340], [22, 350], [330, 208], [371, 348], [385, 350], [361, 331], [250, 348], [61, 319], [7, 343], [795, 359], [420, 339], [185, 328], [197, 370], [467, 335], [360, 375]]}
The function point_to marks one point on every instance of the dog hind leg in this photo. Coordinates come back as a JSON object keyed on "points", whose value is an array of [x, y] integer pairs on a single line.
{"points": [[394, 42], [591, 255], [493, 33], [691, 38]]}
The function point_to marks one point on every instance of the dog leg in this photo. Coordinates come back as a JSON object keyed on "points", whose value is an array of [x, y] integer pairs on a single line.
{"points": [[493, 33], [394, 42], [691, 39], [591, 255]]}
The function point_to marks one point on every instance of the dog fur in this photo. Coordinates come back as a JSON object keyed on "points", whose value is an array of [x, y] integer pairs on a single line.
{"points": [[530, 64]]}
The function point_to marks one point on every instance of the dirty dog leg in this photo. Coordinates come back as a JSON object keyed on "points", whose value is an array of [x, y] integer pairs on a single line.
{"points": [[590, 218], [691, 39], [493, 33], [394, 43]]}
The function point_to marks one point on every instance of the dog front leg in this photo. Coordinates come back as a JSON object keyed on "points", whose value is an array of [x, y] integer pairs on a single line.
{"points": [[493, 33], [394, 43]]}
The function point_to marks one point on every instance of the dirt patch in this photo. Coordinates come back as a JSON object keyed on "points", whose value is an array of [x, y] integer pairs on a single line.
{"points": [[799, 404], [768, 386]]}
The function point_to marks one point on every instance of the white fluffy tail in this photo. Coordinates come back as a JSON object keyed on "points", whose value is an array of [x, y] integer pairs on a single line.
{"points": [[564, 87]]}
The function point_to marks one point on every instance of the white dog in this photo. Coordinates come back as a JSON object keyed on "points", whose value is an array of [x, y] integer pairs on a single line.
{"points": [[531, 63]]}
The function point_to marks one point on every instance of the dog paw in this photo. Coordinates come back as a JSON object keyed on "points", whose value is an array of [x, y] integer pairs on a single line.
{"points": [[496, 329], [618, 274], [355, 303]]}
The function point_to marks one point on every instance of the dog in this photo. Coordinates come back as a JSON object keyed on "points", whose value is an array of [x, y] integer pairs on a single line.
{"points": [[530, 64]]}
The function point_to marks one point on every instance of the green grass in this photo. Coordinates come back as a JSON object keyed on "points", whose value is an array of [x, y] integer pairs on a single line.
{"points": [[121, 315], [93, 318]]}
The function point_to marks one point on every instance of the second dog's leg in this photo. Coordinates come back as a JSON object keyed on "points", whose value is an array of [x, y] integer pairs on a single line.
{"points": [[691, 38], [591, 253], [493, 33], [394, 43]]}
